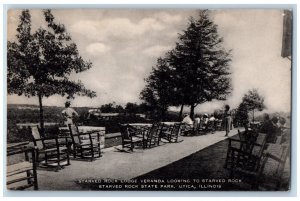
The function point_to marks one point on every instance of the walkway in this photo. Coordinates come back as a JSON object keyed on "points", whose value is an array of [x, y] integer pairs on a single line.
{"points": [[119, 165]]}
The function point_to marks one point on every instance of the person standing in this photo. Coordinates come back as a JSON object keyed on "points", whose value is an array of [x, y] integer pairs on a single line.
{"points": [[227, 120], [211, 122], [69, 114], [196, 123], [205, 121]]}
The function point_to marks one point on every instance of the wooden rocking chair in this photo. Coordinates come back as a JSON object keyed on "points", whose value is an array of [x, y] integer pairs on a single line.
{"points": [[85, 145], [173, 133], [21, 175], [131, 137], [55, 154]]}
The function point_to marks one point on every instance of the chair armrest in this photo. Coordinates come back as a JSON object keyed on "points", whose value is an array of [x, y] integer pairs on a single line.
{"points": [[16, 145], [21, 150], [269, 155], [81, 134], [245, 142], [237, 140], [90, 135], [242, 152]]}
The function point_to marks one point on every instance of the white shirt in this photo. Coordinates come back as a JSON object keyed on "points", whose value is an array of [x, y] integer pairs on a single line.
{"points": [[187, 120], [69, 114], [197, 120]]}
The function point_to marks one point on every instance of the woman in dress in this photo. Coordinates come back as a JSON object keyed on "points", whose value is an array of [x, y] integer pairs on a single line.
{"points": [[227, 120]]}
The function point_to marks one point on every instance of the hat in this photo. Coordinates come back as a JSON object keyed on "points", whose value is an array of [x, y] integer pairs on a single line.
{"points": [[67, 103]]}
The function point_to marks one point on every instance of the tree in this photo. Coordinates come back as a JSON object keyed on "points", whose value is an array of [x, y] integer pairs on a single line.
{"points": [[158, 90], [253, 101], [200, 63], [107, 108], [39, 63], [241, 115], [132, 108]]}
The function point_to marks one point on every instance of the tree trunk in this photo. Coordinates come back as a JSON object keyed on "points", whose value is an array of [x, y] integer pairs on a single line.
{"points": [[41, 115], [253, 116], [192, 111], [163, 114], [180, 113]]}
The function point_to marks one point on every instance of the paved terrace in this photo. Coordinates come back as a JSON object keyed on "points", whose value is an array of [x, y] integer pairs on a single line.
{"points": [[121, 165]]}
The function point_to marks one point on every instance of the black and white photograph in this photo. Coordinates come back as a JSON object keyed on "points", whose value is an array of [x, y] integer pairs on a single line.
{"points": [[144, 99]]}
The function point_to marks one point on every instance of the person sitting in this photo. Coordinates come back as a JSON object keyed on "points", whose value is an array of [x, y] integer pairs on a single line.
{"points": [[270, 128], [282, 122], [187, 120], [188, 124]]}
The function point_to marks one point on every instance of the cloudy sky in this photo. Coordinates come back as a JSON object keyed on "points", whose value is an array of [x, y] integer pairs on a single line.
{"points": [[123, 45]]}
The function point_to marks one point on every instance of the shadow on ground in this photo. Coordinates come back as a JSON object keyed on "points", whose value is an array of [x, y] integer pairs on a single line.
{"points": [[201, 171]]}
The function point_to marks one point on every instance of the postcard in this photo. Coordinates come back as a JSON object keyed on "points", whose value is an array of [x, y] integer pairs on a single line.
{"points": [[141, 99]]}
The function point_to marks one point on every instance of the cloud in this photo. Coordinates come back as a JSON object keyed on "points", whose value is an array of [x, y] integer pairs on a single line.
{"points": [[95, 49], [117, 28], [168, 18], [156, 50], [123, 45]]}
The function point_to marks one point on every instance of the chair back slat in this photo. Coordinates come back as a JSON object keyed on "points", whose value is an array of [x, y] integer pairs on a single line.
{"points": [[35, 133], [176, 128], [124, 132], [154, 131], [196, 125], [74, 131]]}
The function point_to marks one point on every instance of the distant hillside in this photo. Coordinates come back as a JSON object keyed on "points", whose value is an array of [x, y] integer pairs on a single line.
{"points": [[21, 113]]}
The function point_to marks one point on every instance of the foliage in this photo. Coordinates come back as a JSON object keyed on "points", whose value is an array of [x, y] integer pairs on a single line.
{"points": [[158, 90], [201, 63], [253, 101], [131, 108], [241, 116], [218, 114], [40, 63], [134, 108], [111, 108], [28, 114], [195, 71]]}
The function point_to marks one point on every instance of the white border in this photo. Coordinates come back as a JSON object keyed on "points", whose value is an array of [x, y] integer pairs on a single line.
{"points": [[180, 3]]}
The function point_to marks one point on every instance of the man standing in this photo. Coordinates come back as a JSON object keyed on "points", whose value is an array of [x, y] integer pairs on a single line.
{"points": [[69, 114]]}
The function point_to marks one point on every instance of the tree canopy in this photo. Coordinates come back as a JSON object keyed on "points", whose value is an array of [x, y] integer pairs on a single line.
{"points": [[201, 63], [39, 63], [241, 115], [158, 91], [195, 71], [253, 101]]}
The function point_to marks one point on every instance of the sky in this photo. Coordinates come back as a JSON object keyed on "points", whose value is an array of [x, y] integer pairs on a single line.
{"points": [[124, 44]]}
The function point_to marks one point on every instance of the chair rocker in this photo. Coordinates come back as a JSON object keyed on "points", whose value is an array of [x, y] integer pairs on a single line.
{"points": [[21, 175], [85, 145], [131, 137], [173, 133], [245, 156], [55, 154], [153, 135]]}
